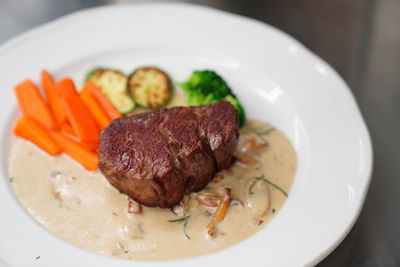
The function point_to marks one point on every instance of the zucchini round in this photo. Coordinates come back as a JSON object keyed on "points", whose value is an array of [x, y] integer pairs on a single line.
{"points": [[113, 84], [150, 87]]}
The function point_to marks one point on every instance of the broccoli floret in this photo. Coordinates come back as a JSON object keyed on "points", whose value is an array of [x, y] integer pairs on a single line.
{"points": [[204, 87], [239, 108]]}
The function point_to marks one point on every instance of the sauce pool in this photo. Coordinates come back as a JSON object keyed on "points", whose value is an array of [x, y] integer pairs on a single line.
{"points": [[82, 208]]}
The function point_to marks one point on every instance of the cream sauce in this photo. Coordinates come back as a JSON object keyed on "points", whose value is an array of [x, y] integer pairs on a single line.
{"points": [[83, 208]]}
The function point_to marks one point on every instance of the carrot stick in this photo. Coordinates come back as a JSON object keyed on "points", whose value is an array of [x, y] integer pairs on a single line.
{"points": [[53, 98], [67, 130], [111, 111], [86, 158], [98, 113], [80, 118], [65, 87], [78, 115], [29, 129], [90, 146], [33, 105]]}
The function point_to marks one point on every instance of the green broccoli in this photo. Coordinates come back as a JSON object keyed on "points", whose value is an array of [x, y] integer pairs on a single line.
{"points": [[204, 87], [240, 110]]}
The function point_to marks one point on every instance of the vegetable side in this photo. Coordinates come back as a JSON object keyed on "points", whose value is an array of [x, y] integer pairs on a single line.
{"points": [[64, 120], [68, 121], [206, 86]]}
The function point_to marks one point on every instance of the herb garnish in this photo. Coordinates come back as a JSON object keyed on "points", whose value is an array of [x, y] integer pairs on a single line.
{"points": [[180, 220], [262, 178], [184, 220], [140, 226], [184, 229], [262, 132], [11, 179], [38, 257]]}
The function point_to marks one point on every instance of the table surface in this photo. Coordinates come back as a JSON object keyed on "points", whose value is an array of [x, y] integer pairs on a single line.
{"points": [[361, 40]]}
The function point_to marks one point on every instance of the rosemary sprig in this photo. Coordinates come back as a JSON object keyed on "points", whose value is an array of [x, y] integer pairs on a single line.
{"points": [[180, 220], [184, 220], [262, 178], [262, 132], [256, 180], [184, 229]]}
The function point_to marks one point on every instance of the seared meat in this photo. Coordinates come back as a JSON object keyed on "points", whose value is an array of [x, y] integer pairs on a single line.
{"points": [[157, 157]]}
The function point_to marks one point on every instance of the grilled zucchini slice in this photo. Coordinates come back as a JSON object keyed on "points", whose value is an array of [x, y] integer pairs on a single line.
{"points": [[113, 84], [150, 87]]}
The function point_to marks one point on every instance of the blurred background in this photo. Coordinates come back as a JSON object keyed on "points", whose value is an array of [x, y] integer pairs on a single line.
{"points": [[361, 40]]}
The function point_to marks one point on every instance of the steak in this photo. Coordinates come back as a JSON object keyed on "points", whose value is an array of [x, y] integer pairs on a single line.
{"points": [[157, 157]]}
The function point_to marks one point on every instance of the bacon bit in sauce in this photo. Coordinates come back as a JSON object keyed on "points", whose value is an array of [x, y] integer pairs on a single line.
{"points": [[217, 179], [251, 145], [247, 160], [258, 222], [220, 176], [219, 214], [134, 207], [212, 200], [226, 172], [208, 199], [245, 152]]}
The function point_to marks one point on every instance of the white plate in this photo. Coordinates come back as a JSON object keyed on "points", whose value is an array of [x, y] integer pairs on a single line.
{"points": [[278, 80]]}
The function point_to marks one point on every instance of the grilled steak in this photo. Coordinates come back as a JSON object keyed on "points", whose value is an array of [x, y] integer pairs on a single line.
{"points": [[157, 157]]}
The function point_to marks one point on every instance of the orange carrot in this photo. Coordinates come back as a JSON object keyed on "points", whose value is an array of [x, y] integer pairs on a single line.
{"points": [[67, 130], [86, 158], [80, 118], [65, 88], [111, 111], [91, 146], [28, 128], [33, 105], [98, 113], [53, 98]]}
